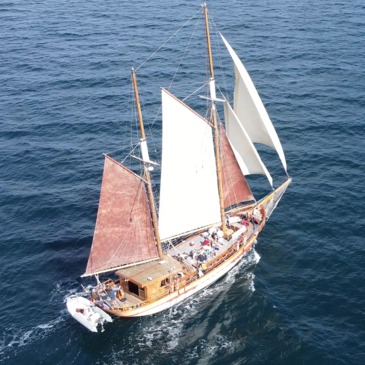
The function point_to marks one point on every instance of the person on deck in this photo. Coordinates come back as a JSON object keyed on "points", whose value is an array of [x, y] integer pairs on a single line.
{"points": [[206, 242]]}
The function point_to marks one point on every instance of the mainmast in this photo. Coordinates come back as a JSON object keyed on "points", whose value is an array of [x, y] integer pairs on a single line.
{"points": [[214, 122], [146, 163]]}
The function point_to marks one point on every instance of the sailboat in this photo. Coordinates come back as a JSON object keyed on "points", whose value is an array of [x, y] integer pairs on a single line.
{"points": [[206, 218]]}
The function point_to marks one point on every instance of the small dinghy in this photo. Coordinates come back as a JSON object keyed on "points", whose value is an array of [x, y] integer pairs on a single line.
{"points": [[87, 313]]}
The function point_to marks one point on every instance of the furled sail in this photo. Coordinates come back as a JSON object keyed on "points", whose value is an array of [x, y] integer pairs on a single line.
{"points": [[245, 152], [235, 187], [189, 190], [250, 109], [123, 234]]}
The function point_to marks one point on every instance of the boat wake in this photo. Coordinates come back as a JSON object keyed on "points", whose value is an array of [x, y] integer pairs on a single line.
{"points": [[191, 321], [14, 338], [168, 331]]}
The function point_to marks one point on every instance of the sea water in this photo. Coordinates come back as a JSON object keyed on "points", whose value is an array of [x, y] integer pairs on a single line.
{"points": [[65, 96]]}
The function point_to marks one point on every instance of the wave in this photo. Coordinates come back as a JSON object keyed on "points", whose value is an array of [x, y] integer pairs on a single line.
{"points": [[15, 338]]}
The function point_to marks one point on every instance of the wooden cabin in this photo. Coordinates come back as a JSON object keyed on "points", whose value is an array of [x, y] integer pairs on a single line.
{"points": [[153, 280]]}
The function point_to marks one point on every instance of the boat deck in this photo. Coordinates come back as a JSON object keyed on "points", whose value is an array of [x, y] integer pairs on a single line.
{"points": [[202, 248]]}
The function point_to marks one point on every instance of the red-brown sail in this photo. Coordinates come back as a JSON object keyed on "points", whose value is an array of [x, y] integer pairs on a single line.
{"points": [[235, 187], [123, 232]]}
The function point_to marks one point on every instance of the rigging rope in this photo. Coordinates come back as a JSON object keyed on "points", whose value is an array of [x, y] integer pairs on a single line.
{"points": [[186, 48], [199, 88], [158, 49]]}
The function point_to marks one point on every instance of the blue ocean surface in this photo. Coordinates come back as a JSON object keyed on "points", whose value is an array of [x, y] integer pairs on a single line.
{"points": [[65, 99]]}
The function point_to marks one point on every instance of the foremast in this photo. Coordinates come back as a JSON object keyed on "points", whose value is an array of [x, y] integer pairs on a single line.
{"points": [[212, 92], [147, 165]]}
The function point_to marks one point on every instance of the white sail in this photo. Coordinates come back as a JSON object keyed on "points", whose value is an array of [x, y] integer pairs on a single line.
{"points": [[250, 109], [189, 190], [243, 148]]}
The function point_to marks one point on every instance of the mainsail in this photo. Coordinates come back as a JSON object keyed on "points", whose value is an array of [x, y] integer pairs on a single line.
{"points": [[123, 233], [189, 190], [251, 111]]}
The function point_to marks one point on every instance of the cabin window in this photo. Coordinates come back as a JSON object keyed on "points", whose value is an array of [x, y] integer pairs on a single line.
{"points": [[165, 282], [133, 288]]}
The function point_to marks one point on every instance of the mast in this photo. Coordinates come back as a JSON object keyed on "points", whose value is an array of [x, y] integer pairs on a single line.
{"points": [[214, 121], [146, 159]]}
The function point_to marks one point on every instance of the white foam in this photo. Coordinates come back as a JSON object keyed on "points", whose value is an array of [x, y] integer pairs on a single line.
{"points": [[14, 338], [251, 279], [19, 337], [257, 256]]}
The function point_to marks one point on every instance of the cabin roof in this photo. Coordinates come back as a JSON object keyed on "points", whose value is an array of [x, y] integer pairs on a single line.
{"points": [[144, 274]]}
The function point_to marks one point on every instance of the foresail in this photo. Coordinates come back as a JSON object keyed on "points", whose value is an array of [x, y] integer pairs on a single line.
{"points": [[250, 109], [272, 200], [123, 233], [235, 187], [189, 190], [245, 152]]}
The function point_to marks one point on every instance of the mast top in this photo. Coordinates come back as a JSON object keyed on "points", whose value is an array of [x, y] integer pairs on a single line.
{"points": [[211, 69]]}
